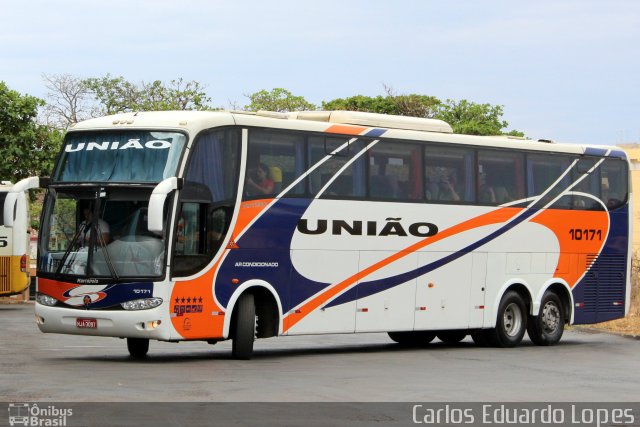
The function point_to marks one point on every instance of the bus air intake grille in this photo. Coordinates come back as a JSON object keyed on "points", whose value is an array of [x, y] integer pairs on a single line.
{"points": [[5, 274], [604, 284]]}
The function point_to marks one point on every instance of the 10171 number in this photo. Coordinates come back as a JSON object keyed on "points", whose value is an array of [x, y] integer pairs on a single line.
{"points": [[585, 234]]}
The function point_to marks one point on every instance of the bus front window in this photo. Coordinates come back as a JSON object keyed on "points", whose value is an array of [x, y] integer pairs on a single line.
{"points": [[100, 233], [123, 157]]}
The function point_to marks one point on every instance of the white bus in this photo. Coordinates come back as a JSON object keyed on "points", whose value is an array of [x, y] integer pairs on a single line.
{"points": [[227, 225], [14, 242]]}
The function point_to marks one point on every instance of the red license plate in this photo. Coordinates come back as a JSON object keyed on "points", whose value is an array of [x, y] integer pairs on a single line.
{"points": [[86, 323]]}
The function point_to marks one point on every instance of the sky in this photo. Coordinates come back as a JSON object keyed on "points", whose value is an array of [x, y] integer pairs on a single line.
{"points": [[563, 70]]}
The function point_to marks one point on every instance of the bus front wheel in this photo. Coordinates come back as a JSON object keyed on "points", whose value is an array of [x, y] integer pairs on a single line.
{"points": [[244, 327], [138, 347], [547, 327]]}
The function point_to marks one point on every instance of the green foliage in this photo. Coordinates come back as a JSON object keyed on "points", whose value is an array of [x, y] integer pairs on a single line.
{"points": [[277, 100], [26, 148], [117, 95], [402, 105], [472, 119], [369, 104]]}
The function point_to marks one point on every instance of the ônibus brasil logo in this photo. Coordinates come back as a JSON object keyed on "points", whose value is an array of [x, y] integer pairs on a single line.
{"points": [[30, 414]]}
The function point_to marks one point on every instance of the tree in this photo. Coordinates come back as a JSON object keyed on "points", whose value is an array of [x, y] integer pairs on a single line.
{"points": [[117, 95], [413, 105], [464, 116], [68, 101], [377, 104], [474, 119], [26, 147], [278, 99]]}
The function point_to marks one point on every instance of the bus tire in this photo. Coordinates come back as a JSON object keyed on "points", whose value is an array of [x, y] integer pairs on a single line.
{"points": [[244, 327], [412, 338], [548, 326], [511, 323], [138, 347], [451, 337]]}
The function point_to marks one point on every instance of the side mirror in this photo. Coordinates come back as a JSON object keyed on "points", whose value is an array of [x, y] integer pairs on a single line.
{"points": [[156, 203], [12, 197]]}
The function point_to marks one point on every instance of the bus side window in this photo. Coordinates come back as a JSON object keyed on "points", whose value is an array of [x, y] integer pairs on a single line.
{"points": [[500, 177], [448, 174], [589, 183], [613, 183], [210, 181], [188, 230], [395, 171], [275, 159], [543, 173], [344, 180]]}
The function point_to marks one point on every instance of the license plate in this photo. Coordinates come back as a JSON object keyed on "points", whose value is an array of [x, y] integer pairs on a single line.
{"points": [[87, 323]]}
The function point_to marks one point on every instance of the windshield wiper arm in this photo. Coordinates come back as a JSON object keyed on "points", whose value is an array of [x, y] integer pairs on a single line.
{"points": [[74, 242], [105, 252]]}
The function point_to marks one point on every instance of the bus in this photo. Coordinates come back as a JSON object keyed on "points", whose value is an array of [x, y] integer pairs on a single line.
{"points": [[14, 242], [208, 226]]}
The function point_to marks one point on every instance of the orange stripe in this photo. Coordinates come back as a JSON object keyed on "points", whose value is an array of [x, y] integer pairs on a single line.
{"points": [[493, 217], [346, 129], [248, 212]]}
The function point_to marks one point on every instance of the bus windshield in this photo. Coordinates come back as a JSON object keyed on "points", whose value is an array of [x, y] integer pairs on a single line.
{"points": [[100, 232], [125, 156]]}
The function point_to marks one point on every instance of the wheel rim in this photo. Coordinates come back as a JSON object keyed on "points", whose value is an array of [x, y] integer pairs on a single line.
{"points": [[512, 320], [550, 317]]}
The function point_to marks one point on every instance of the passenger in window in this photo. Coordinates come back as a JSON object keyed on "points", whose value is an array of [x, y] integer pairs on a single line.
{"points": [[86, 232], [491, 192], [258, 182], [383, 185], [432, 188], [275, 174], [447, 188]]}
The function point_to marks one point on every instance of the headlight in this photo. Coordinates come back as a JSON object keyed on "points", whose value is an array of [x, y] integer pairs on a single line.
{"points": [[142, 304], [46, 299]]}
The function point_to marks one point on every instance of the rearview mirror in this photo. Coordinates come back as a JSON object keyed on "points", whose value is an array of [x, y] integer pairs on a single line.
{"points": [[156, 203], [12, 197]]}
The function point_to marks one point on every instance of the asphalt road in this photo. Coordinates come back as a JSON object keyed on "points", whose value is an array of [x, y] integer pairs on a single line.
{"points": [[328, 368]]}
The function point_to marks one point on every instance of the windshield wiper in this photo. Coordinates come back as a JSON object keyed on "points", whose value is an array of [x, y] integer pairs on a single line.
{"points": [[105, 252], [74, 242]]}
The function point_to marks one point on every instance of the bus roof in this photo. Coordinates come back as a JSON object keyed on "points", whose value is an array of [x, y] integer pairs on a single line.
{"points": [[397, 127]]}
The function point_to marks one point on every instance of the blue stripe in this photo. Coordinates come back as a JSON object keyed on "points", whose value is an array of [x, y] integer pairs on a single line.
{"points": [[618, 154], [375, 132], [590, 151]]}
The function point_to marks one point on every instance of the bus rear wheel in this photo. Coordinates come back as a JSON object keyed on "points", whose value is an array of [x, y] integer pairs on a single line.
{"points": [[548, 326], [244, 327], [412, 338], [511, 323], [138, 347], [451, 337]]}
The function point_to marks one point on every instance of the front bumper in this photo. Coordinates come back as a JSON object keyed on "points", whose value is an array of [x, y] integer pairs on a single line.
{"points": [[121, 323]]}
